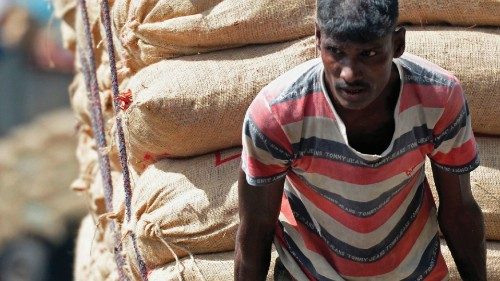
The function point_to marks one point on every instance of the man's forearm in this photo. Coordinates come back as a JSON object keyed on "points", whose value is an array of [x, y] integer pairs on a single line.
{"points": [[464, 234], [461, 222], [259, 209], [252, 253]]}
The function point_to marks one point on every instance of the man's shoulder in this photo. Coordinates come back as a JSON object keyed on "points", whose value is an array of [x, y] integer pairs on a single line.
{"points": [[300, 80], [417, 70], [282, 100]]}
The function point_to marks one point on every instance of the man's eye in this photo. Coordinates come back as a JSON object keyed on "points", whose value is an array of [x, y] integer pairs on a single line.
{"points": [[368, 53], [334, 50]]}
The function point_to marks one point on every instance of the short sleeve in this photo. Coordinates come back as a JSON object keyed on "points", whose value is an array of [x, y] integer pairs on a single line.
{"points": [[267, 153], [455, 149]]}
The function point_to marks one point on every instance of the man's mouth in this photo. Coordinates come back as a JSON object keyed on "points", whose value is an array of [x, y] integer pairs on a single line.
{"points": [[353, 91]]}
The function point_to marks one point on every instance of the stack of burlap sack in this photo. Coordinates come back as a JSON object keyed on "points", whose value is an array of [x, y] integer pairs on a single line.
{"points": [[192, 69], [196, 90]]}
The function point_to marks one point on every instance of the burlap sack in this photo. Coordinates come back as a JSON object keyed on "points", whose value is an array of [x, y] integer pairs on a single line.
{"points": [[78, 99], [96, 194], [181, 206], [194, 105], [93, 258], [78, 94], [65, 11], [473, 55], [86, 156], [454, 12], [152, 30], [98, 46], [86, 150], [492, 261], [68, 36], [209, 267], [73, 30], [83, 248], [485, 184]]}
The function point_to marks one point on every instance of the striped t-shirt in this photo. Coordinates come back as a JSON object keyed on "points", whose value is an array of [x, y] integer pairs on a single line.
{"points": [[347, 215]]}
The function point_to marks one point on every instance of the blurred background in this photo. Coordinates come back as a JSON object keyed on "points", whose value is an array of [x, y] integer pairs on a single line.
{"points": [[39, 215]]}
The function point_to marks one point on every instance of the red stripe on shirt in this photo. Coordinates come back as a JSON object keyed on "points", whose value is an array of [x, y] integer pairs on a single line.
{"points": [[268, 125], [360, 175], [426, 148], [313, 104], [287, 212], [453, 107], [440, 270], [358, 224], [281, 238], [256, 169], [457, 156], [415, 94], [386, 264], [270, 93]]}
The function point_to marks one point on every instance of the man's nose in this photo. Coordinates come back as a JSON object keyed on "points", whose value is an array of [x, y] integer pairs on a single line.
{"points": [[350, 72]]}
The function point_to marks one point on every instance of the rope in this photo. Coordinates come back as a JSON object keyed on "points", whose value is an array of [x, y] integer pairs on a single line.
{"points": [[106, 19], [89, 73], [178, 263]]}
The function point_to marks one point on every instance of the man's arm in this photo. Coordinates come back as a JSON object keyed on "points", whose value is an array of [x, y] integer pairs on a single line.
{"points": [[461, 222], [259, 208]]}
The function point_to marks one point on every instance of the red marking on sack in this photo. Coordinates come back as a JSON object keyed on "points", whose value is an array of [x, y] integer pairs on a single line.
{"points": [[147, 157], [219, 160], [125, 99]]}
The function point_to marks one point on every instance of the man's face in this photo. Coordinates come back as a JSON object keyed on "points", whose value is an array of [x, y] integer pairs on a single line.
{"points": [[356, 73]]}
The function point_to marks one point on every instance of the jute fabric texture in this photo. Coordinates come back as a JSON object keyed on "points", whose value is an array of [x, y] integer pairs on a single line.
{"points": [[183, 207], [152, 30], [200, 107]]}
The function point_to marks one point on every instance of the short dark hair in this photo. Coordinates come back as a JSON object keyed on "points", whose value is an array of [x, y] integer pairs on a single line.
{"points": [[357, 20]]}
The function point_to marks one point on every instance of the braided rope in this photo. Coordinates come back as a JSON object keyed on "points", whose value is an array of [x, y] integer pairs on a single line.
{"points": [[106, 19], [87, 59]]}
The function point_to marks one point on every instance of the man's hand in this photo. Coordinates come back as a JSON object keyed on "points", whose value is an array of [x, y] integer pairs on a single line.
{"points": [[461, 222], [259, 208]]}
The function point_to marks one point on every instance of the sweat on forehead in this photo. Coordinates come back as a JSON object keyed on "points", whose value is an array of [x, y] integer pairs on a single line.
{"points": [[356, 20]]}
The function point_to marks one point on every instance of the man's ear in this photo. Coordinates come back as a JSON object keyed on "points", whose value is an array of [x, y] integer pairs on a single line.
{"points": [[399, 41], [318, 37]]}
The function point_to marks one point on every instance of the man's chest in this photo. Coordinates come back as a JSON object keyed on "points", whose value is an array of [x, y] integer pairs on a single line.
{"points": [[366, 156], [372, 139]]}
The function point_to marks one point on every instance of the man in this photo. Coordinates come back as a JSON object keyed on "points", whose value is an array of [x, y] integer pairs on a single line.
{"points": [[333, 160]]}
